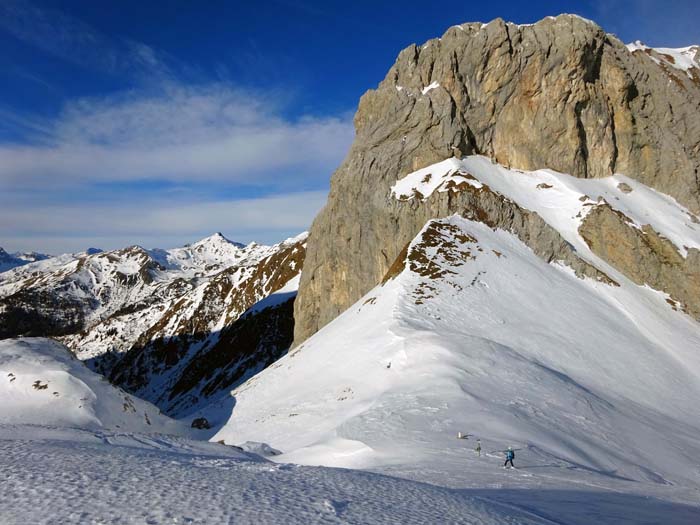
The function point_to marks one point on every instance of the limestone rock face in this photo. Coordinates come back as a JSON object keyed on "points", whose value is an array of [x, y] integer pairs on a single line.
{"points": [[645, 256], [559, 94]]}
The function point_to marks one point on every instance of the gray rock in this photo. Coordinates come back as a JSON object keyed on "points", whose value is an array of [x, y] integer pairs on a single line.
{"points": [[559, 94], [644, 256]]}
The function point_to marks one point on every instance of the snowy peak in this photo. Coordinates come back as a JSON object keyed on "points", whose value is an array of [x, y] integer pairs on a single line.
{"points": [[202, 342], [209, 254], [686, 59], [215, 243], [217, 239], [142, 316]]}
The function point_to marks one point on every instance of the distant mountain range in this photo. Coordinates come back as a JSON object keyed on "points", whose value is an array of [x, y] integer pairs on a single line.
{"points": [[13, 260], [155, 321]]}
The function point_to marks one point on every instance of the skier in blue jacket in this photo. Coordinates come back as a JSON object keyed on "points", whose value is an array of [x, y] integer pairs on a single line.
{"points": [[510, 455]]}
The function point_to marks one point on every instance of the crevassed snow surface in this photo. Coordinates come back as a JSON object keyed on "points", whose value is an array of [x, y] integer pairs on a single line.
{"points": [[594, 386]]}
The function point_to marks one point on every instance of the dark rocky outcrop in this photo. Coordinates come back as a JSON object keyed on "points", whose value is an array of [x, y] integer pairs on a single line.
{"points": [[200, 423], [189, 360]]}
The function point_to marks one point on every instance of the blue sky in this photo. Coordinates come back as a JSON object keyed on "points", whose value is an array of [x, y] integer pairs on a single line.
{"points": [[158, 123]]}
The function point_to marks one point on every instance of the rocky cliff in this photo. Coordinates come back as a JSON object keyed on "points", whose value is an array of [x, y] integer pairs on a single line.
{"points": [[559, 94]]}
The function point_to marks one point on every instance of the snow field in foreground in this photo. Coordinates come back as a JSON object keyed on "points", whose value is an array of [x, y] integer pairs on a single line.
{"points": [[78, 477], [70, 476]]}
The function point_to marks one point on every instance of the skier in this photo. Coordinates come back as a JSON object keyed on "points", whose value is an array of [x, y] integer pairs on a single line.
{"points": [[510, 455], [478, 447]]}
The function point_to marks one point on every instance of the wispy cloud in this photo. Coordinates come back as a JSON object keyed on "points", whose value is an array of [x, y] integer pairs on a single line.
{"points": [[74, 41], [178, 156], [168, 145], [182, 134], [182, 137]]}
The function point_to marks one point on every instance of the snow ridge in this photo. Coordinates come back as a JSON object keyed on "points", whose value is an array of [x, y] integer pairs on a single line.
{"points": [[476, 334], [685, 59], [561, 200]]}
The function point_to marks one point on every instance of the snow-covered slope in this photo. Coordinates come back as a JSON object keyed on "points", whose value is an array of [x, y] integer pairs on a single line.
{"points": [[100, 285], [480, 335], [561, 200], [686, 59], [201, 289], [42, 383], [592, 382]]}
